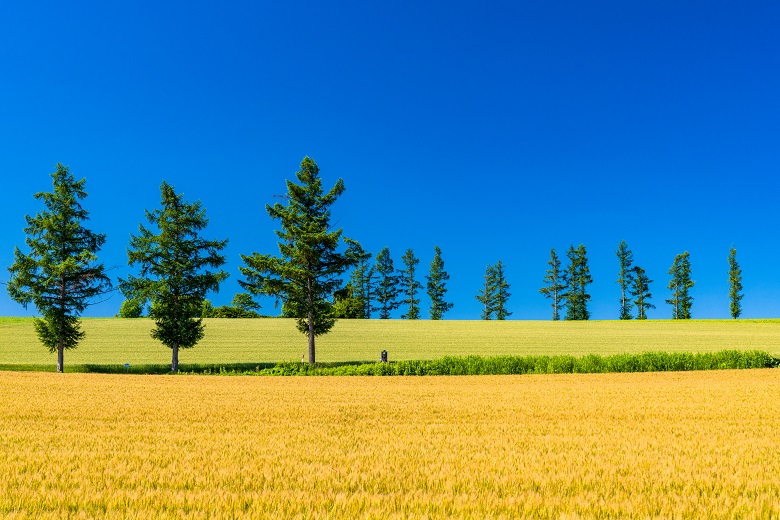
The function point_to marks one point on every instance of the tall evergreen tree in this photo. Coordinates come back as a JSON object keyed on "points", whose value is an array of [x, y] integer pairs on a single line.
{"points": [[640, 290], [625, 278], [680, 284], [437, 286], [487, 293], [577, 277], [554, 278], [387, 284], [61, 275], [178, 268], [410, 286], [502, 293], [363, 282], [735, 285], [307, 273]]}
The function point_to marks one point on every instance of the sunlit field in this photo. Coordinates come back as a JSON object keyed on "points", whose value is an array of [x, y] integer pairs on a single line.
{"points": [[119, 341], [653, 445]]}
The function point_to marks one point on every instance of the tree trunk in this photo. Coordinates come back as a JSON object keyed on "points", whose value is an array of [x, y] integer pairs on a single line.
{"points": [[60, 356], [311, 338], [175, 359]]}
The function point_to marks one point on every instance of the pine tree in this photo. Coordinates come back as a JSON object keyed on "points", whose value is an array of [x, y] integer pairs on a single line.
{"points": [[60, 276], [576, 279], [680, 284], [640, 290], [437, 286], [735, 285], [387, 284], [307, 273], [410, 286], [363, 281], [177, 269], [487, 294], [625, 278], [502, 293], [554, 278]]}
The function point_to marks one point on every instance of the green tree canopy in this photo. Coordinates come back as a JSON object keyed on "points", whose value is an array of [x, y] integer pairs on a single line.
{"points": [[437, 286], [640, 290], [554, 290], [387, 284], [625, 278], [308, 271], [681, 284], [410, 286], [577, 278], [61, 275], [735, 285], [177, 269]]}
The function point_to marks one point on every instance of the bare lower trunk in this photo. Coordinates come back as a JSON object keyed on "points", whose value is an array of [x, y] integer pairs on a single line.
{"points": [[311, 338], [60, 356], [175, 359]]}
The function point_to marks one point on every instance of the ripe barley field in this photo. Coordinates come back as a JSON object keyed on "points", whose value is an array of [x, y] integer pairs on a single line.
{"points": [[119, 341], [651, 445]]}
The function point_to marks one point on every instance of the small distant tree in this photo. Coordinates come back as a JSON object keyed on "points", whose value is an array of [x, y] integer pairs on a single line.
{"points": [[308, 271], [348, 304], [554, 290], [625, 278], [178, 268], [502, 292], [387, 284], [681, 284], [640, 290], [410, 286], [437, 286], [576, 279], [735, 285], [486, 295], [131, 309], [245, 302], [362, 287], [61, 275]]}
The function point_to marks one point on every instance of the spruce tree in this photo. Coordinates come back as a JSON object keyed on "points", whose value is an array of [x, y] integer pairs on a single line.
{"points": [[554, 290], [680, 284], [625, 278], [410, 286], [576, 279], [363, 284], [178, 267], [502, 293], [387, 284], [308, 271], [640, 290], [735, 285], [437, 286], [487, 294], [61, 275]]}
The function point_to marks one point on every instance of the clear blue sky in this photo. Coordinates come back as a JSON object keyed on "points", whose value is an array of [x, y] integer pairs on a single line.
{"points": [[495, 130]]}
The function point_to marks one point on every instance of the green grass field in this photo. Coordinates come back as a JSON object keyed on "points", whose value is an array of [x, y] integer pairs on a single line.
{"points": [[118, 341]]}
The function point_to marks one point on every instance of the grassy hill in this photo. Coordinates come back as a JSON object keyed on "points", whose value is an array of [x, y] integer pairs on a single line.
{"points": [[118, 341]]}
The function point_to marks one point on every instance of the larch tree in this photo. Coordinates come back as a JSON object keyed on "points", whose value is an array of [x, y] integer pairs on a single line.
{"points": [[61, 275], [308, 270], [640, 290], [177, 268], [437, 286], [387, 284], [409, 285], [577, 278], [502, 293], [555, 285], [625, 278], [486, 295], [735, 285], [681, 284]]}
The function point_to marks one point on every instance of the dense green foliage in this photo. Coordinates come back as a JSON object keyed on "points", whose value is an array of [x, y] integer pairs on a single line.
{"points": [[409, 285], [555, 286], [177, 269], [680, 284], [494, 293], [437, 286], [625, 278], [735, 285], [641, 292], [131, 309], [61, 275], [308, 271], [387, 284], [576, 280]]}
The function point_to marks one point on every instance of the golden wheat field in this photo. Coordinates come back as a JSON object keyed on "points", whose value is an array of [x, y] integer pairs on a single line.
{"points": [[651, 445]]}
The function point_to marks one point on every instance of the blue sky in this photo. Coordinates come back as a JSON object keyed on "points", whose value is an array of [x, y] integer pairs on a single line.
{"points": [[495, 131]]}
